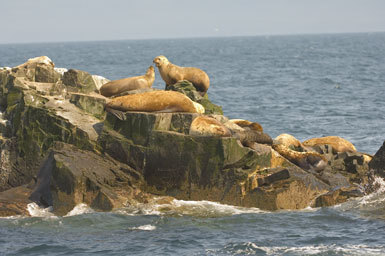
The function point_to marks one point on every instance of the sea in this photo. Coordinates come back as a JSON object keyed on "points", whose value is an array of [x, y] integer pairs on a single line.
{"points": [[305, 85]]}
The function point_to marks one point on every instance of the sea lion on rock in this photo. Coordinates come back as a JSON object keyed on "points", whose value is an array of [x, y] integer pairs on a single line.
{"points": [[208, 126], [247, 124], [337, 143], [305, 160], [155, 101], [171, 74], [288, 140], [127, 84]]}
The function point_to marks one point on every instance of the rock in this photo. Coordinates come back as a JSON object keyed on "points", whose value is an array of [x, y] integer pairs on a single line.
{"points": [[90, 103], [79, 81], [39, 69], [338, 196], [377, 164], [190, 91], [66, 179], [14, 201]]}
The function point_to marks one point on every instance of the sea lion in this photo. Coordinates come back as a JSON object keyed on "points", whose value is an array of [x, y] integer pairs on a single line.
{"points": [[288, 140], [171, 74], [305, 160], [337, 143], [127, 84], [247, 124], [155, 101], [208, 126]]}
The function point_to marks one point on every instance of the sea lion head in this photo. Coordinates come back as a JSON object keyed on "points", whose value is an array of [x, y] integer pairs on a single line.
{"points": [[160, 60], [150, 70]]}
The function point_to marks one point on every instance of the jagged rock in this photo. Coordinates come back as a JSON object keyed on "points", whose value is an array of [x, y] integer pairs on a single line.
{"points": [[70, 176], [377, 164], [93, 104], [338, 196], [79, 81], [190, 91], [39, 69]]}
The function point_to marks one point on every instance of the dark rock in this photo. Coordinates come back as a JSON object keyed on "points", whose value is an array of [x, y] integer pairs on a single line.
{"points": [[190, 91], [377, 164], [79, 81], [276, 175], [338, 196], [66, 179]]}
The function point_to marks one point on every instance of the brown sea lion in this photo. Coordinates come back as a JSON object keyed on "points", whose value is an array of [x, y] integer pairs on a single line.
{"points": [[171, 74], [337, 143], [208, 126], [127, 84], [155, 101]]}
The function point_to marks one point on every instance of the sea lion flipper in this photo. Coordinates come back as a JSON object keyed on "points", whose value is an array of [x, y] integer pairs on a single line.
{"points": [[119, 114]]}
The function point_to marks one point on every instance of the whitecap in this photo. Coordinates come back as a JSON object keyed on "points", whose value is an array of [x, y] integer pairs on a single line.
{"points": [[79, 209], [144, 227]]}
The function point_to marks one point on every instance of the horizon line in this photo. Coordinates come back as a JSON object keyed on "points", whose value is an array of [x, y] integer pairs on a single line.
{"points": [[193, 37]]}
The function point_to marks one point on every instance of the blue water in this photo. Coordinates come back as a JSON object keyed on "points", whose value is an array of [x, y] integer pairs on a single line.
{"points": [[308, 86]]}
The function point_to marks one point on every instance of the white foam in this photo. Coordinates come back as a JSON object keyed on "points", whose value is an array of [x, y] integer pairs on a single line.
{"points": [[182, 207], [144, 227], [79, 209], [36, 211], [251, 248]]}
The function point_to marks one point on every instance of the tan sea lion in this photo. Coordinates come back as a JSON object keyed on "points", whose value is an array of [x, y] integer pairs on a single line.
{"points": [[208, 126], [155, 101], [337, 143], [127, 84], [288, 140], [247, 124], [171, 74], [305, 160]]}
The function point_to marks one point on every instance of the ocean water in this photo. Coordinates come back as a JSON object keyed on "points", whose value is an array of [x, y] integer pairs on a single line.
{"points": [[305, 85]]}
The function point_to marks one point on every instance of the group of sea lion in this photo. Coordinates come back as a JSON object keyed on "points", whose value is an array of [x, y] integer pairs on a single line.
{"points": [[157, 101], [249, 133]]}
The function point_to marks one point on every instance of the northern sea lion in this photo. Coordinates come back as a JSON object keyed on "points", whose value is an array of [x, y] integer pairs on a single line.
{"points": [[127, 84], [171, 74], [155, 101], [288, 140], [305, 160], [208, 126], [337, 143], [247, 124]]}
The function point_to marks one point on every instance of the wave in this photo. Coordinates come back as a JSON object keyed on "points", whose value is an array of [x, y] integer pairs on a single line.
{"points": [[333, 249], [188, 208], [144, 227], [371, 205]]}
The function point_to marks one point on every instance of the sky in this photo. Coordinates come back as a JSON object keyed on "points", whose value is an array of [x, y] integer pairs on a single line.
{"points": [[25, 21]]}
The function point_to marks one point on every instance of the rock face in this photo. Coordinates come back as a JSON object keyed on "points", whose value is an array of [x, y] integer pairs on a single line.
{"points": [[57, 137], [70, 176]]}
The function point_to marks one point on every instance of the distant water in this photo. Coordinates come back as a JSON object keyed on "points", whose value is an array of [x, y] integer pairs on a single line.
{"points": [[308, 86]]}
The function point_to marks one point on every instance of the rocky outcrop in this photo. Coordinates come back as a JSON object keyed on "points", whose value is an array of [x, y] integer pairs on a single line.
{"points": [[70, 176], [57, 137]]}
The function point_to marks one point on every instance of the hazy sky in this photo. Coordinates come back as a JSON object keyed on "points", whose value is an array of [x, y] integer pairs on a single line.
{"points": [[79, 20]]}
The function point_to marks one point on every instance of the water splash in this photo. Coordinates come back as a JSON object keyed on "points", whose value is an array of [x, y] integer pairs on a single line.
{"points": [[188, 208], [36, 211], [79, 209], [144, 227]]}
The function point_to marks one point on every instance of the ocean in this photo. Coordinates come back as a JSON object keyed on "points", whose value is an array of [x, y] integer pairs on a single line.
{"points": [[304, 85]]}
